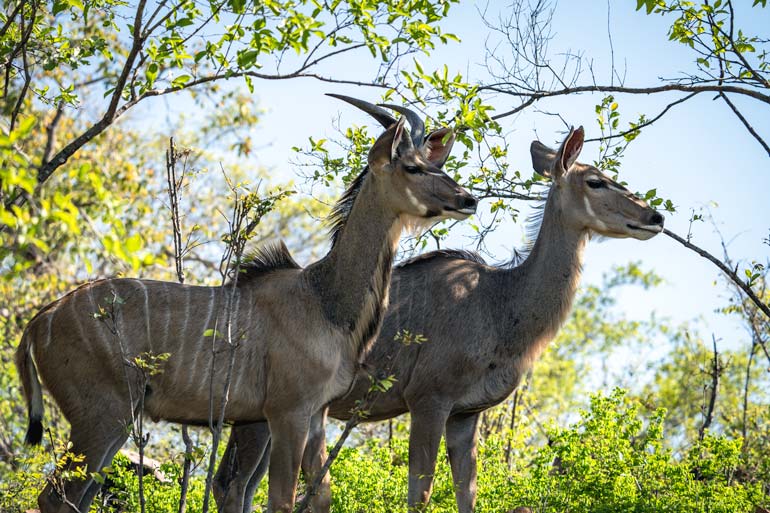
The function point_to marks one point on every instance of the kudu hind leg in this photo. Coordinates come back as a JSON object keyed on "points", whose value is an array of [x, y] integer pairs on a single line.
{"points": [[98, 444], [424, 440], [246, 448], [461, 444], [255, 479], [313, 461]]}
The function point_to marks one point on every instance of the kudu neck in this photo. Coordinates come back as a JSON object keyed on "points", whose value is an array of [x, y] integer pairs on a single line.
{"points": [[353, 278], [545, 284]]}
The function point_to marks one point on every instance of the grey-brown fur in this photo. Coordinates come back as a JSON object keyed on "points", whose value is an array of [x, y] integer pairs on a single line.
{"points": [[300, 332], [485, 326]]}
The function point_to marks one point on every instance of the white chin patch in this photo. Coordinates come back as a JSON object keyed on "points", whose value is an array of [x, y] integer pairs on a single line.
{"points": [[422, 209], [652, 228]]}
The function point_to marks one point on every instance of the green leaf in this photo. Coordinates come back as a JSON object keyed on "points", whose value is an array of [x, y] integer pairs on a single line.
{"points": [[59, 6], [181, 80], [152, 73], [248, 58]]}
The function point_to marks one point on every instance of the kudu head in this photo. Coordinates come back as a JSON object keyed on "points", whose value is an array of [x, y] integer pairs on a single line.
{"points": [[407, 168], [588, 199]]}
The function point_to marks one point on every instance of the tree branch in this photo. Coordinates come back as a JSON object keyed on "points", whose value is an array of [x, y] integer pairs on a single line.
{"points": [[534, 96], [48, 168], [715, 372], [646, 123], [50, 132], [746, 123], [722, 267]]}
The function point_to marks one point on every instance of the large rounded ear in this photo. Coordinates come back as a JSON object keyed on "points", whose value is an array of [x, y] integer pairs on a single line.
{"points": [[392, 143], [402, 143], [543, 158], [552, 164], [438, 146], [569, 151]]}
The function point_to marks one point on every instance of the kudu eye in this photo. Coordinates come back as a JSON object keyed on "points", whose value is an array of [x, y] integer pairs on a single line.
{"points": [[413, 169], [596, 184]]}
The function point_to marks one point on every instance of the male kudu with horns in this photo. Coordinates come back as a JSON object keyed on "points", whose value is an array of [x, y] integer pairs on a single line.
{"points": [[485, 326], [302, 332]]}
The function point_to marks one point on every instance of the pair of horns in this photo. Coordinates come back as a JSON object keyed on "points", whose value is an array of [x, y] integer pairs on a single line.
{"points": [[385, 118]]}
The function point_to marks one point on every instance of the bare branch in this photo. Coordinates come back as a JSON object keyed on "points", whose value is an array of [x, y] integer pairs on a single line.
{"points": [[68, 151], [646, 123], [22, 47], [722, 267], [112, 112], [50, 131], [746, 123], [534, 96], [715, 371]]}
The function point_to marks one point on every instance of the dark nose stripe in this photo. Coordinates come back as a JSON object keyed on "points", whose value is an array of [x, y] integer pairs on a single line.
{"points": [[656, 218]]}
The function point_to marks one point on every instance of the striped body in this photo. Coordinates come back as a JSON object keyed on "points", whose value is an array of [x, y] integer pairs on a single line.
{"points": [[161, 317]]}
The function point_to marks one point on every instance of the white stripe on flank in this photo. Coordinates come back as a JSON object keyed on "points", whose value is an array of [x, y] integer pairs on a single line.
{"points": [[146, 310], [182, 342], [183, 329], [198, 348], [235, 317], [167, 309], [76, 314], [50, 321], [250, 310], [95, 308]]}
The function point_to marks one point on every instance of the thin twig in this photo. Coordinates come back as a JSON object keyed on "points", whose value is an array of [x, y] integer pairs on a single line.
{"points": [[722, 267], [715, 371], [746, 123], [646, 123]]}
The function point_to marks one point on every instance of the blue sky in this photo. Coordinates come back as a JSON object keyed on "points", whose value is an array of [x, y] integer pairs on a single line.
{"points": [[698, 156]]}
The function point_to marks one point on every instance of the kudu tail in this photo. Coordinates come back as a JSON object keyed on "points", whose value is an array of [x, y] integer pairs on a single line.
{"points": [[33, 394]]}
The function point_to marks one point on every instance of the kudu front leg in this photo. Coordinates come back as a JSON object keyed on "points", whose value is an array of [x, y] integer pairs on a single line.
{"points": [[288, 432], [461, 445], [425, 436], [313, 461], [246, 448]]}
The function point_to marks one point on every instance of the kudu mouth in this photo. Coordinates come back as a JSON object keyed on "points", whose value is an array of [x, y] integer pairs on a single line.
{"points": [[467, 208]]}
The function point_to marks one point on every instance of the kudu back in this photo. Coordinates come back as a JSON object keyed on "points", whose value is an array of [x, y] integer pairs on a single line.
{"points": [[485, 326], [301, 333]]}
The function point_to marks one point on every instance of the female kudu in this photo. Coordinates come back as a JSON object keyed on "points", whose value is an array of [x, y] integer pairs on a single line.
{"points": [[301, 332], [484, 325]]}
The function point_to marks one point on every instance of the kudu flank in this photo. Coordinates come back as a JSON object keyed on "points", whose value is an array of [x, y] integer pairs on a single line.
{"points": [[485, 326], [301, 332]]}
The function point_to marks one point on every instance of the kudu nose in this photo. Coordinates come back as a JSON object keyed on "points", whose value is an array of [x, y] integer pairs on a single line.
{"points": [[467, 202], [657, 218]]}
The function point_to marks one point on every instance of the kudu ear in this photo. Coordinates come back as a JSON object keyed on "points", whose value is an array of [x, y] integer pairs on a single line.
{"points": [[394, 142], [569, 151], [543, 158], [402, 143], [438, 146], [555, 164]]}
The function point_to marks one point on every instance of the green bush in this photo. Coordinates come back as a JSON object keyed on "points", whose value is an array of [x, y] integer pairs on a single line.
{"points": [[612, 459]]}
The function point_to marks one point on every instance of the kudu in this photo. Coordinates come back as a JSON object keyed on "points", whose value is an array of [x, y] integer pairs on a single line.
{"points": [[301, 332], [485, 326]]}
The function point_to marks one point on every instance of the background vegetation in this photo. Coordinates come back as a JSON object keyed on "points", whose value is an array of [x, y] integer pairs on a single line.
{"points": [[682, 423]]}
